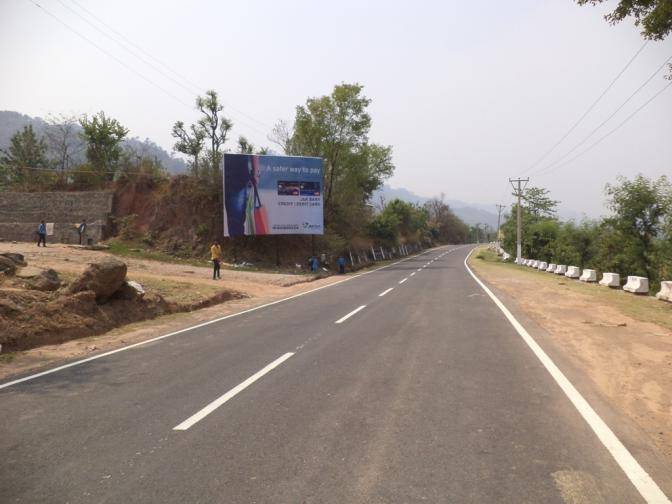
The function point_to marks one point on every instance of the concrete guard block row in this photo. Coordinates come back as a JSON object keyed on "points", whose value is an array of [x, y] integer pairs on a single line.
{"points": [[634, 284]]}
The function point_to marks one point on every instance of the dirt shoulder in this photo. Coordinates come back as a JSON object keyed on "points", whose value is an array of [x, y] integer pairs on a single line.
{"points": [[622, 343], [175, 282]]}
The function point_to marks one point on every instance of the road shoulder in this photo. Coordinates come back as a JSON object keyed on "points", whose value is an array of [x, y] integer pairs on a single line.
{"points": [[621, 364]]}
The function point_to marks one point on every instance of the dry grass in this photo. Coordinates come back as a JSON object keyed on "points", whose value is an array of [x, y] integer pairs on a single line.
{"points": [[642, 308]]}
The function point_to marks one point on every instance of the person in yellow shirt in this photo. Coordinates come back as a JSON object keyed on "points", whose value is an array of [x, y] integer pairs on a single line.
{"points": [[216, 258]]}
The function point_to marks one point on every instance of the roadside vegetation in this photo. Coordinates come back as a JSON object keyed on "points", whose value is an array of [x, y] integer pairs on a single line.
{"points": [[642, 308], [636, 239], [163, 216]]}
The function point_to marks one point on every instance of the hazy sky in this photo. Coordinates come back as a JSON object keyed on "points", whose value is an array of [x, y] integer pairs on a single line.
{"points": [[467, 93]]}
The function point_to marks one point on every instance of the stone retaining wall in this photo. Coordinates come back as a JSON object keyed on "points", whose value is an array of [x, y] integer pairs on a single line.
{"points": [[21, 213]]}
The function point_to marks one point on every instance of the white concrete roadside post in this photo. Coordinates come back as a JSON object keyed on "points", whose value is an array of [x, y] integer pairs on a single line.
{"points": [[561, 269], [588, 275], [573, 272], [373, 252], [382, 253], [665, 293], [611, 280], [637, 285], [551, 268], [542, 266]]}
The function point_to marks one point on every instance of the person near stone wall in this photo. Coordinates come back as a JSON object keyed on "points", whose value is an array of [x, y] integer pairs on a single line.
{"points": [[42, 234], [81, 230]]}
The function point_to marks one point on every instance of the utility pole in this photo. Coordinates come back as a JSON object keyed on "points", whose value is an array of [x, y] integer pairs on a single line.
{"points": [[518, 191], [499, 217]]}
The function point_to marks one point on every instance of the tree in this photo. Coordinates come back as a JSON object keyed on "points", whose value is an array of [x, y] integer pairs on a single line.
{"points": [[189, 143], [539, 224], [444, 225], [642, 211], [216, 128], [26, 151], [244, 146], [103, 136], [654, 16], [281, 135], [336, 128], [538, 203], [62, 138]]}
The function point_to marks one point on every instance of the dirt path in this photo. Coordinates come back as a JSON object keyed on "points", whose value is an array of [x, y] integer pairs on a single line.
{"points": [[606, 334], [260, 288], [65, 258]]}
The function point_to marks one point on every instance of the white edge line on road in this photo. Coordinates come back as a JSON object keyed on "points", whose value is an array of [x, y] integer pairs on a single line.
{"points": [[385, 292], [402, 281], [412, 274], [200, 415], [346, 317], [197, 326], [644, 484]]}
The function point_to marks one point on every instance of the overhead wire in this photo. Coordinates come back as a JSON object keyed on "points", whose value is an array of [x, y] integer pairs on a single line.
{"points": [[588, 110], [611, 132], [109, 54], [121, 62], [605, 121], [191, 85]]}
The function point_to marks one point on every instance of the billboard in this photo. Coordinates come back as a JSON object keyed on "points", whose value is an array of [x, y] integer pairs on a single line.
{"points": [[265, 195]]}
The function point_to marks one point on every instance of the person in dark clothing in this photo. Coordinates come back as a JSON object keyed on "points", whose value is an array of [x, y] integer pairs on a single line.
{"points": [[42, 234], [341, 265], [81, 229], [314, 263]]}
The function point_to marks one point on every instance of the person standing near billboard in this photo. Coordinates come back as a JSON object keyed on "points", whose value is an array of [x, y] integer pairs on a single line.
{"points": [[216, 258]]}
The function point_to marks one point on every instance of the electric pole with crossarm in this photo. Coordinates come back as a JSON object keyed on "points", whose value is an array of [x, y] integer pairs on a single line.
{"points": [[499, 218], [518, 191]]}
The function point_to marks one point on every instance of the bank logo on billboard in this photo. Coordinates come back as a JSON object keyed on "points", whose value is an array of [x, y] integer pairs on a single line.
{"points": [[272, 195]]}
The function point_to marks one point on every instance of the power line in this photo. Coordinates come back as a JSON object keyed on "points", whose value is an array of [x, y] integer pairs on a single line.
{"points": [[120, 62], [192, 85], [190, 88], [130, 42], [590, 108], [604, 137], [104, 51], [620, 107], [130, 51]]}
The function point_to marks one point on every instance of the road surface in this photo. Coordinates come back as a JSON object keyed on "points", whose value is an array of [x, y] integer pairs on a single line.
{"points": [[403, 385]]}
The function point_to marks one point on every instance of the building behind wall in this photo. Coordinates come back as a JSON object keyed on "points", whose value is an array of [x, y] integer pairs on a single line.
{"points": [[21, 213]]}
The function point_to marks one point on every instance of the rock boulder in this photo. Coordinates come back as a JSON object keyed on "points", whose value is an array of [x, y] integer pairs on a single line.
{"points": [[18, 259], [7, 266], [104, 278], [47, 280]]}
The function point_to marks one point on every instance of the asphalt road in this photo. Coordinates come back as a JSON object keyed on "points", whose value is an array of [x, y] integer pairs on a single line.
{"points": [[427, 394]]}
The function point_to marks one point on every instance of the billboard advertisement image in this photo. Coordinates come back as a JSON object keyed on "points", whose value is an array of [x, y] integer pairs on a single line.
{"points": [[267, 195]]}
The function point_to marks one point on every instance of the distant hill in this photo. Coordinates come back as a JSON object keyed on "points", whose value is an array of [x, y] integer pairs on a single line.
{"points": [[470, 213], [11, 122]]}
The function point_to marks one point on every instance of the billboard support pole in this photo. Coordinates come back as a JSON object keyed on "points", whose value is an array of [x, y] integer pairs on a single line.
{"points": [[277, 250], [312, 244]]}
